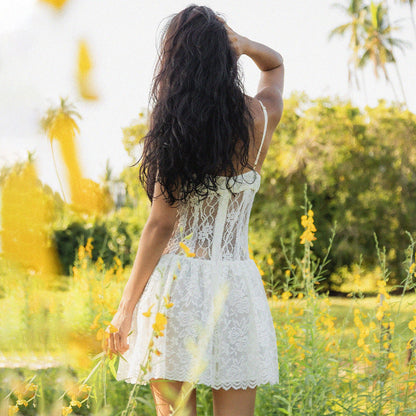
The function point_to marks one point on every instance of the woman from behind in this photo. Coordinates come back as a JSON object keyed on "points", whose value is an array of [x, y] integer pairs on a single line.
{"points": [[205, 135]]}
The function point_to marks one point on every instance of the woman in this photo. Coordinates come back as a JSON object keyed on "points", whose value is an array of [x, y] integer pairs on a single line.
{"points": [[195, 302]]}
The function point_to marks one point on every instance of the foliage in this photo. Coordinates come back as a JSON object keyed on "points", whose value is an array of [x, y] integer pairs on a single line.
{"points": [[359, 167], [111, 238]]}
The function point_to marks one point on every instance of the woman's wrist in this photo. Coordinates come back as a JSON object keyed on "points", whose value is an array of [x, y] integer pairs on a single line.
{"points": [[126, 306]]}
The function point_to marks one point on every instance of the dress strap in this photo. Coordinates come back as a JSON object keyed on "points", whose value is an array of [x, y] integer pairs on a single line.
{"points": [[264, 133]]}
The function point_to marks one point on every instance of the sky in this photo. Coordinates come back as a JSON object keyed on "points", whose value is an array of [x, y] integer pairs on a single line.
{"points": [[38, 50]]}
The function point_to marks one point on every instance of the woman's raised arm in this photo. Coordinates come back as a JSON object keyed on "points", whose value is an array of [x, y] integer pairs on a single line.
{"points": [[270, 63]]}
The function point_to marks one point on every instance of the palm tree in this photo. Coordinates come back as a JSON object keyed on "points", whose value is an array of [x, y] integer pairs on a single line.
{"points": [[411, 3], [356, 12], [378, 44]]}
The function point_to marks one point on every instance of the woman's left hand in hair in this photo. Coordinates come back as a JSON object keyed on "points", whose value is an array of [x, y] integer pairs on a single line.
{"points": [[237, 41]]}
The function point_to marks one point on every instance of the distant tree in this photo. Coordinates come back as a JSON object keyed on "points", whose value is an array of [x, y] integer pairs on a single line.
{"points": [[379, 44], [370, 40], [356, 11], [411, 4]]}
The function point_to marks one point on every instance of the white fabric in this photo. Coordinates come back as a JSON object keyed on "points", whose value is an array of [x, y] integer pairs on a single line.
{"points": [[219, 331]]}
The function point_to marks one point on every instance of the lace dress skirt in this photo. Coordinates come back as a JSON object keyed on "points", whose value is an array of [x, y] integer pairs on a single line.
{"points": [[203, 321]]}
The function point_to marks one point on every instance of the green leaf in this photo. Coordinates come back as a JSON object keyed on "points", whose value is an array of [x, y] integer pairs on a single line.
{"points": [[111, 367]]}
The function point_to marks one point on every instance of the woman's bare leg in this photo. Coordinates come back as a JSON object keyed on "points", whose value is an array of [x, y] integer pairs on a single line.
{"points": [[167, 394], [234, 402]]}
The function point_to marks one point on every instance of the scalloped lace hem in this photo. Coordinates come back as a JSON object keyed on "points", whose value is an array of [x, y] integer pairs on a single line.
{"points": [[226, 386]]}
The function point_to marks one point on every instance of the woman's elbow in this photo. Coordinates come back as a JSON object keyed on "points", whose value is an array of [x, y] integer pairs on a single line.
{"points": [[161, 227]]}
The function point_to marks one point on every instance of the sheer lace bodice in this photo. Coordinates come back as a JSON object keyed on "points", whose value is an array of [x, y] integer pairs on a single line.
{"points": [[217, 227]]}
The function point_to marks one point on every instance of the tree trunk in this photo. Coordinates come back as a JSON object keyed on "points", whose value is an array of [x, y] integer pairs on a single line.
{"points": [[412, 18], [400, 82], [396, 97], [364, 87]]}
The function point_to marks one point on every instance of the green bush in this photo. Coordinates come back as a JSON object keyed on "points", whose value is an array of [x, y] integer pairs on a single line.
{"points": [[110, 239]]}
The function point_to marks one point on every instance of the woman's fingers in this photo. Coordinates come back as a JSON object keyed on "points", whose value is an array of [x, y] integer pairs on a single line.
{"points": [[116, 343], [234, 39], [111, 343], [123, 346], [116, 337], [221, 19]]}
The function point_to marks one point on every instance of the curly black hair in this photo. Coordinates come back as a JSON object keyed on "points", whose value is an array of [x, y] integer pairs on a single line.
{"points": [[200, 120]]}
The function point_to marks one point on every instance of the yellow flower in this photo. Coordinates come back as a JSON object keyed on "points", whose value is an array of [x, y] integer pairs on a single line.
{"points": [[412, 324], [31, 387], [66, 410], [89, 247], [270, 261], [13, 410], [75, 403], [160, 323], [84, 388], [287, 273], [300, 295], [83, 72], [286, 295], [112, 328], [81, 252], [328, 346], [148, 313], [22, 402], [157, 352], [95, 321], [186, 249], [168, 303], [99, 264], [57, 4], [101, 334], [380, 313], [308, 224], [117, 261]]}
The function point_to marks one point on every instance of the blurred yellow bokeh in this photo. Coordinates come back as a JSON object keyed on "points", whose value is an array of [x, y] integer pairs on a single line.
{"points": [[26, 214], [84, 72]]}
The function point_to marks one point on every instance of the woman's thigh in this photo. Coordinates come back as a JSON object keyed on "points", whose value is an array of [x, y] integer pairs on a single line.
{"points": [[234, 402], [167, 394]]}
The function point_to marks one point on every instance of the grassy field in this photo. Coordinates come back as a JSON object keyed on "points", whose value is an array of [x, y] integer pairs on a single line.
{"points": [[337, 356]]}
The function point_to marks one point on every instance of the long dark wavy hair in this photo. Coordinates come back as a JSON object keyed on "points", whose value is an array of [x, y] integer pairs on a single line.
{"points": [[200, 120]]}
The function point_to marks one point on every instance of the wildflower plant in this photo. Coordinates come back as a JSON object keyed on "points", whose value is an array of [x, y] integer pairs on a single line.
{"points": [[25, 396]]}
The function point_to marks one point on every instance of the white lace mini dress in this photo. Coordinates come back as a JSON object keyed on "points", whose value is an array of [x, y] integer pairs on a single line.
{"points": [[203, 316]]}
